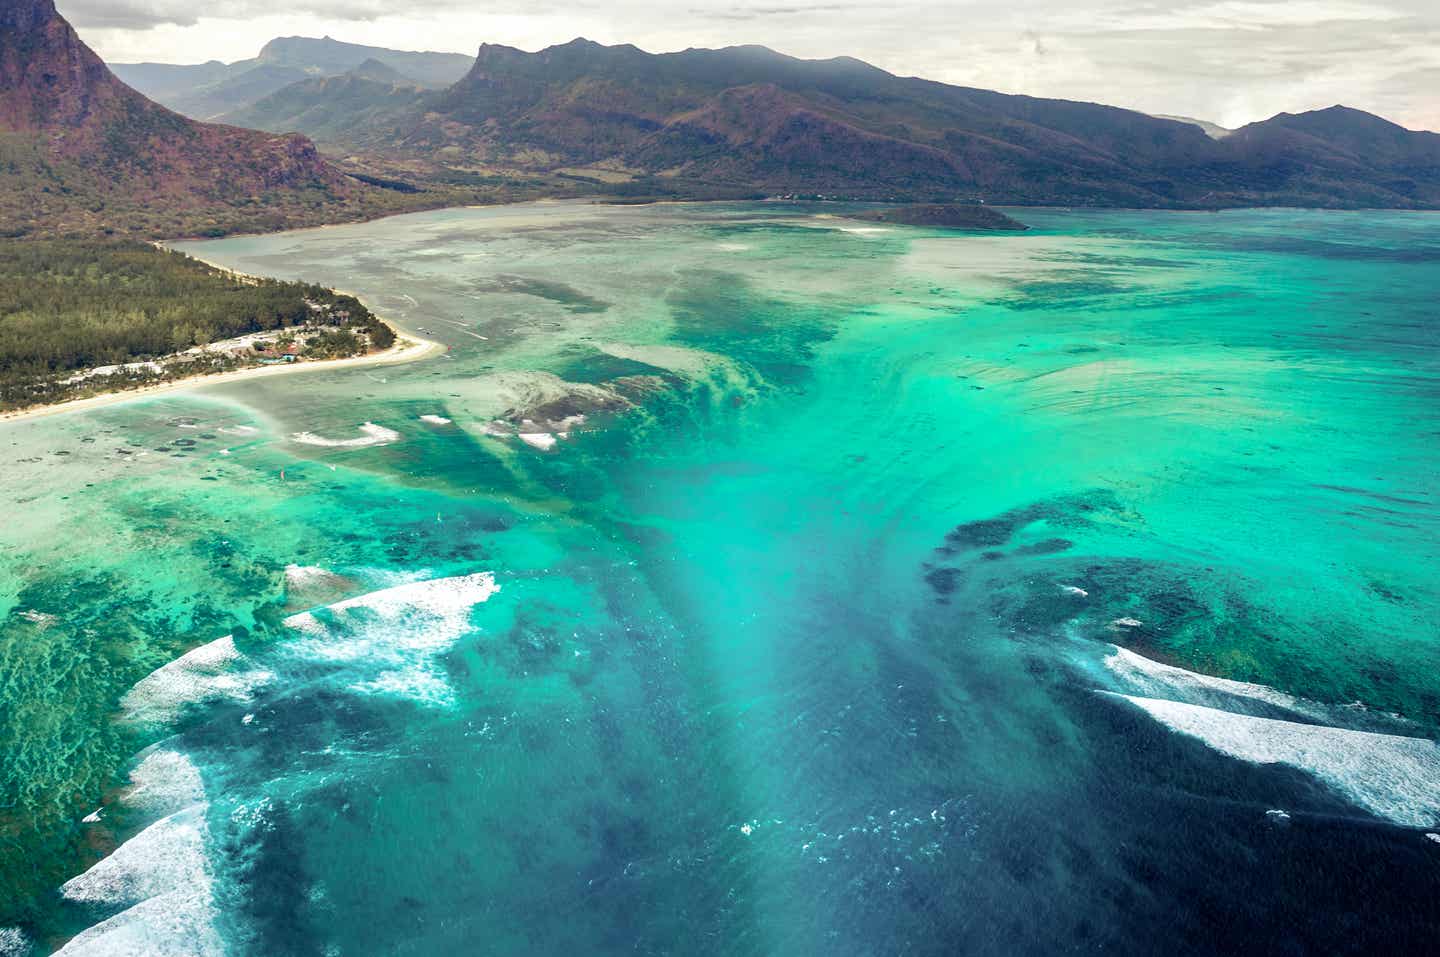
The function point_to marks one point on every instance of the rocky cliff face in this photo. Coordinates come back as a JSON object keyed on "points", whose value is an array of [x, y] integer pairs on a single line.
{"points": [[92, 153], [49, 80]]}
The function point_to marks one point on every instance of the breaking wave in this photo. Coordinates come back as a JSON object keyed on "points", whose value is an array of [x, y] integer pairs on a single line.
{"points": [[156, 889], [155, 895], [178, 924], [1377, 766], [372, 435], [1395, 777], [214, 672], [167, 856], [386, 641]]}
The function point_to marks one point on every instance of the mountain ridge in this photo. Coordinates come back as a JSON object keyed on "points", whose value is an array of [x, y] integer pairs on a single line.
{"points": [[207, 91], [749, 117]]}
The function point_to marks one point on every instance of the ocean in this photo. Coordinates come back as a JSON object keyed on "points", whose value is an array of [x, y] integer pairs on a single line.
{"points": [[745, 579]]}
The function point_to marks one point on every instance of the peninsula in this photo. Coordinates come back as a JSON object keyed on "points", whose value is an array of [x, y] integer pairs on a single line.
{"points": [[85, 320]]}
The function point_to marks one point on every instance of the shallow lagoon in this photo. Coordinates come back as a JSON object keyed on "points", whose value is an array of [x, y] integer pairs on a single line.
{"points": [[805, 639]]}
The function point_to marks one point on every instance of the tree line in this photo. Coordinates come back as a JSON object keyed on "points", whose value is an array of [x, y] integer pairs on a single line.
{"points": [[72, 305]]}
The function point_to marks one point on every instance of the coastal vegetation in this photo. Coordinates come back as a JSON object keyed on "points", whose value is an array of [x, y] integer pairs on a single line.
{"points": [[83, 317]]}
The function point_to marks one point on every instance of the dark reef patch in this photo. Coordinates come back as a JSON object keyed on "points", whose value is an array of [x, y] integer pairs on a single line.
{"points": [[1064, 512], [558, 292]]}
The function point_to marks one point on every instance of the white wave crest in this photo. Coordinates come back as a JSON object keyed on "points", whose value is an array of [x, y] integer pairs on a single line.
{"points": [[447, 599], [432, 419], [397, 631], [163, 782], [13, 942], [391, 636], [1393, 776], [372, 435], [178, 924], [1155, 680], [161, 877], [213, 672], [167, 856]]}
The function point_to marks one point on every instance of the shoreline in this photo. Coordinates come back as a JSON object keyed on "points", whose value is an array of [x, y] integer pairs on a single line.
{"points": [[407, 348]]}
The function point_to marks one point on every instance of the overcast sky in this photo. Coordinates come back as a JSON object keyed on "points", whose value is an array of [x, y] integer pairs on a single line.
{"points": [[1230, 61]]}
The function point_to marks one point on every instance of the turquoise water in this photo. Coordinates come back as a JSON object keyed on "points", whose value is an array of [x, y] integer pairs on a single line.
{"points": [[755, 582]]}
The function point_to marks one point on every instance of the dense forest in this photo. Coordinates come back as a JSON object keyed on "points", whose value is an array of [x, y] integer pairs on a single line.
{"points": [[71, 306]]}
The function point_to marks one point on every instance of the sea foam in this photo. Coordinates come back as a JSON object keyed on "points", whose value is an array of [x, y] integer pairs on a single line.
{"points": [[390, 636], [394, 634], [178, 924], [1133, 673], [213, 672], [13, 942], [163, 782], [1156, 680], [159, 880], [1393, 776], [166, 857], [372, 435]]}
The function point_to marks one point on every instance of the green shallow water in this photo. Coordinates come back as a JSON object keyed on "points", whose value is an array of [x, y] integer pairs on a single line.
{"points": [[806, 637]]}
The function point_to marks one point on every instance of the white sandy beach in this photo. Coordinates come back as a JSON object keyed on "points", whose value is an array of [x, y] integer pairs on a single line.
{"points": [[407, 348]]}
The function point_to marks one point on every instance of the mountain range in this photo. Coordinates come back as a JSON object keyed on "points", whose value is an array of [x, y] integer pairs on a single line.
{"points": [[752, 118], [82, 153], [206, 91]]}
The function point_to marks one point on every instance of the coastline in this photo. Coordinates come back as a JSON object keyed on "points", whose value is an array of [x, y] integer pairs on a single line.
{"points": [[407, 348]]}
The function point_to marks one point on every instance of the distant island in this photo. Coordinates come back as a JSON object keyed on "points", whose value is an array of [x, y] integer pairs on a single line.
{"points": [[944, 216]]}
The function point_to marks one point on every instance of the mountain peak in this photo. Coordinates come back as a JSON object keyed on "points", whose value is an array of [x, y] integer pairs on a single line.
{"points": [[112, 142], [373, 69], [1340, 122]]}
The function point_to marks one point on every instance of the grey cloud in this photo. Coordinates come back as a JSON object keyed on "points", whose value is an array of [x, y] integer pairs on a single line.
{"points": [[761, 13], [127, 14], [143, 14]]}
